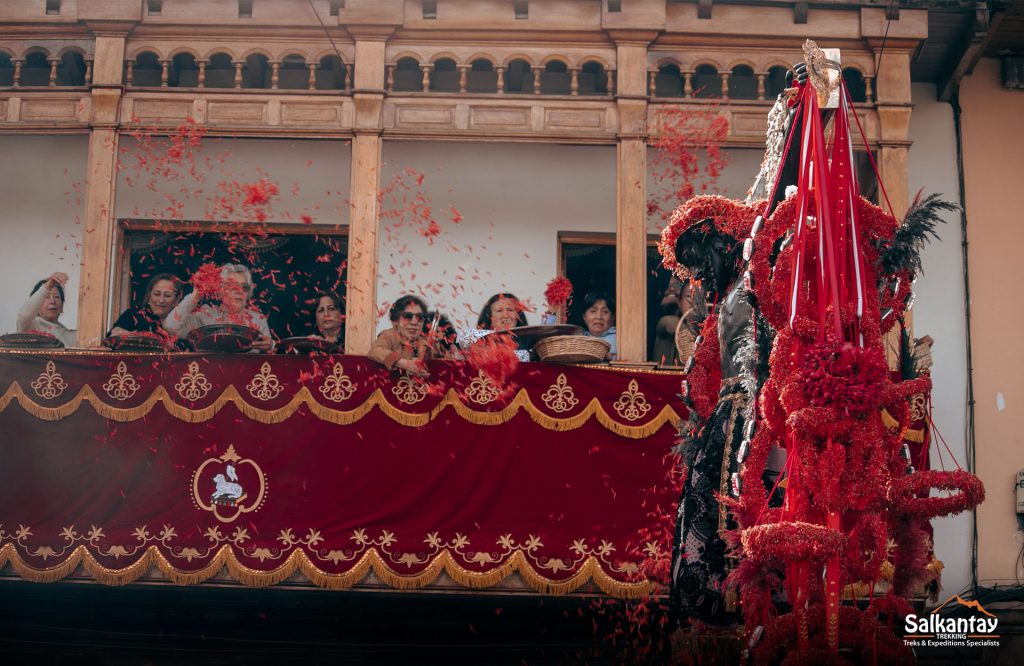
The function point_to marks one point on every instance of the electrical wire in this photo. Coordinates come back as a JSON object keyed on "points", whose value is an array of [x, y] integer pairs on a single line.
{"points": [[331, 39], [970, 434]]}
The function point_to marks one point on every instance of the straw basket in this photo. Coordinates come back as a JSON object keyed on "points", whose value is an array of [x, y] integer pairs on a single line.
{"points": [[572, 349]]}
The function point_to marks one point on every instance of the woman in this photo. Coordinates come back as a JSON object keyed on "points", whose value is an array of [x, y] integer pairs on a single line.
{"points": [[599, 318], [43, 309], [404, 345], [162, 293], [327, 318], [234, 307], [501, 312]]}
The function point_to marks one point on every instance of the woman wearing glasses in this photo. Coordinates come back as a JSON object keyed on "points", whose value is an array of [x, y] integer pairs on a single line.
{"points": [[404, 345]]}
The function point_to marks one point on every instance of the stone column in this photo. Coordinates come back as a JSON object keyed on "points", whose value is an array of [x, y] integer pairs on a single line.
{"points": [[501, 80], [536, 71], [201, 81], [238, 72], [574, 81], [165, 66], [463, 74], [17, 72], [760, 86], [426, 76], [53, 71]]}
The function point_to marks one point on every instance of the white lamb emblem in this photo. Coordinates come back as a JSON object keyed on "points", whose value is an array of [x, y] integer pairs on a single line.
{"points": [[228, 489]]}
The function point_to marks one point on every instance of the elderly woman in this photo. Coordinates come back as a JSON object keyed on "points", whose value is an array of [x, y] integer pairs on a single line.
{"points": [[42, 311], [327, 317], [404, 345], [162, 293], [599, 318], [236, 288], [501, 312]]}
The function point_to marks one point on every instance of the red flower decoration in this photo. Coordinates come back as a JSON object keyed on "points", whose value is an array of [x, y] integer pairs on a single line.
{"points": [[844, 377], [207, 280], [558, 292]]}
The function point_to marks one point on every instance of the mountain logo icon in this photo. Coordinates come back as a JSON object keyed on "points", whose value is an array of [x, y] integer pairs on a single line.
{"points": [[975, 604]]}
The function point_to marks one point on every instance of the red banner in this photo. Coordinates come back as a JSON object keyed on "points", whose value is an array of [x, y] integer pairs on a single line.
{"points": [[331, 467]]}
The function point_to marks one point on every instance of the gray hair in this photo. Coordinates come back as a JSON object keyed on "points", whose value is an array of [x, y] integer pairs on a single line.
{"points": [[227, 269]]}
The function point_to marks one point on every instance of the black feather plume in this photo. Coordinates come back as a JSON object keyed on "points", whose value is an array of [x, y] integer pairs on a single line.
{"points": [[903, 251]]}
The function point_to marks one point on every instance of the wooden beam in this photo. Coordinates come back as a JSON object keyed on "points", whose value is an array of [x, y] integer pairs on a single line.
{"points": [[972, 46]]}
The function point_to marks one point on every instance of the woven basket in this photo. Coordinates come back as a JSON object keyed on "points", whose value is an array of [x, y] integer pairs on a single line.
{"points": [[572, 349]]}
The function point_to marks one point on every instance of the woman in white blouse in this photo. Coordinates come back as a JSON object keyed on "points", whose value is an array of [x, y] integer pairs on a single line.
{"points": [[42, 311]]}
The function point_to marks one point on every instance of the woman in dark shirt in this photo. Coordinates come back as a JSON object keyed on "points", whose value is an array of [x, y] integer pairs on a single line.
{"points": [[162, 293], [328, 322]]}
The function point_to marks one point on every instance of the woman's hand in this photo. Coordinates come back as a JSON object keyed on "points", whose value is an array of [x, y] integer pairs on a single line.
{"points": [[413, 367], [57, 279], [264, 345]]}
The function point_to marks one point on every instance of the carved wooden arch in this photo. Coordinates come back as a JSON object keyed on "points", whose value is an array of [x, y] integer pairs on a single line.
{"points": [[35, 49], [482, 56], [75, 49], [704, 61], [518, 56], [324, 53], [777, 63], [257, 50], [139, 50], [740, 62], [667, 60], [556, 57], [218, 50], [293, 52], [593, 58], [441, 55], [407, 54], [184, 49]]}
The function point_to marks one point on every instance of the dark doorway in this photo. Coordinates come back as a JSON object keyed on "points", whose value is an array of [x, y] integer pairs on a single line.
{"points": [[589, 263]]}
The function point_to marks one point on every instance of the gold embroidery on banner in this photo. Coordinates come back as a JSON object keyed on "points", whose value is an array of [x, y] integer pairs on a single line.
{"points": [[49, 384], [264, 384], [632, 404], [482, 390], [122, 384], [560, 397], [337, 387], [409, 391], [370, 556], [918, 407], [193, 384]]}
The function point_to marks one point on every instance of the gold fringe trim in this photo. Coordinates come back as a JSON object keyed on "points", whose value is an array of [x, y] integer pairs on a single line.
{"points": [[916, 436], [522, 401], [370, 561]]}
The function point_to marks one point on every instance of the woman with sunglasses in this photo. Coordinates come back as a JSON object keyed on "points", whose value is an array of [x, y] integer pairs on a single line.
{"points": [[404, 345]]}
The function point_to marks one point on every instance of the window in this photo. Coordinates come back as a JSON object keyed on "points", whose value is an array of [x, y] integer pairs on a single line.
{"points": [[71, 69], [154, 7], [668, 82], [593, 79], [408, 77], [707, 84], [519, 77], [256, 71], [481, 77], [855, 84], [53, 7], [288, 264], [245, 8], [444, 76], [555, 79], [742, 83], [36, 70], [220, 71], [184, 72], [776, 81], [6, 70]]}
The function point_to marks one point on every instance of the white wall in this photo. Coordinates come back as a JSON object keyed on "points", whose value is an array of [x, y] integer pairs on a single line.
{"points": [[312, 176], [939, 312], [514, 199], [41, 186]]}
